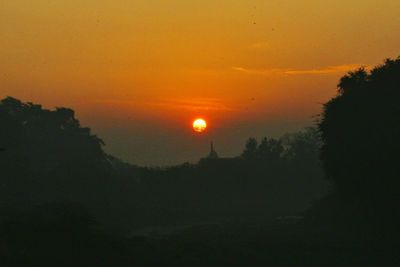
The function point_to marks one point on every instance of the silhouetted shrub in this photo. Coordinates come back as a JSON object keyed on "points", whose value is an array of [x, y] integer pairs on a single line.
{"points": [[360, 130]]}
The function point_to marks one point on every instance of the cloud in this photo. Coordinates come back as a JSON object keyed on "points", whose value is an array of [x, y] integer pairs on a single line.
{"points": [[196, 104], [290, 72], [188, 104]]}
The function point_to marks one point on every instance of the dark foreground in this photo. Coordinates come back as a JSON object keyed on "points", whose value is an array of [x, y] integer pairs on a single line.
{"points": [[281, 243]]}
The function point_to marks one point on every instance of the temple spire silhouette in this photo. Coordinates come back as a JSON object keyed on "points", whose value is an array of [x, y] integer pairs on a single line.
{"points": [[213, 154]]}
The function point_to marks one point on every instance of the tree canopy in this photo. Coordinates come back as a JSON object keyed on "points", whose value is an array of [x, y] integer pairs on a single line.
{"points": [[360, 130]]}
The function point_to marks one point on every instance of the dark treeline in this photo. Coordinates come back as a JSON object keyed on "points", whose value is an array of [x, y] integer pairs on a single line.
{"points": [[276, 178], [65, 202], [49, 157]]}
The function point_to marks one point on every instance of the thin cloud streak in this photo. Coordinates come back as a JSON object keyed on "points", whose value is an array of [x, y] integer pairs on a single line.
{"points": [[288, 71], [193, 104]]}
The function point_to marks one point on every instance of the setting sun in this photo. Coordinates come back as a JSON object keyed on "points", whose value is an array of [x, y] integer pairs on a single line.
{"points": [[208, 132], [199, 125]]}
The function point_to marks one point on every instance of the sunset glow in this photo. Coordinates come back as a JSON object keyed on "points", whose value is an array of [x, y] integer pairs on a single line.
{"points": [[200, 132], [147, 68]]}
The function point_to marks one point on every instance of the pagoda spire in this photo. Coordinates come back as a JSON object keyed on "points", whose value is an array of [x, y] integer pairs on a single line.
{"points": [[213, 154]]}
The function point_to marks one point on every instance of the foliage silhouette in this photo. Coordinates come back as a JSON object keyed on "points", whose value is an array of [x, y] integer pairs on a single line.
{"points": [[250, 150], [360, 130]]}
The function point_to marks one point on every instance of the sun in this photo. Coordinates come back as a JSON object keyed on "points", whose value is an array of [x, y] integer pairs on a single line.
{"points": [[199, 125]]}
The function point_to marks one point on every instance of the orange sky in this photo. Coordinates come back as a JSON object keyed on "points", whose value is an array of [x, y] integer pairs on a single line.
{"points": [[138, 72]]}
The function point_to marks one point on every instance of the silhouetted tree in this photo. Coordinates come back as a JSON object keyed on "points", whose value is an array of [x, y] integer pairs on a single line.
{"points": [[270, 149], [48, 156], [360, 130], [250, 150], [302, 146]]}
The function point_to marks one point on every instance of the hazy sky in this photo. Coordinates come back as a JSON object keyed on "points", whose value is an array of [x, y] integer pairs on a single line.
{"points": [[138, 72]]}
